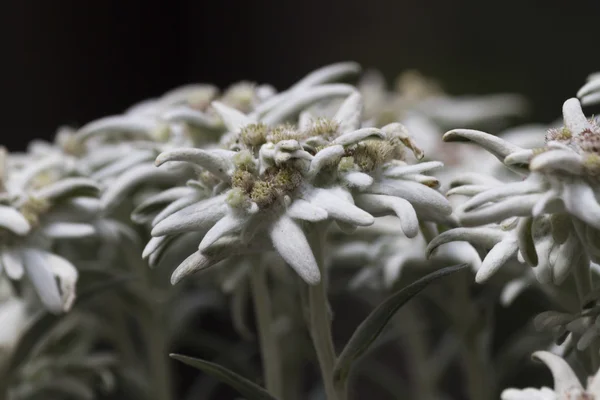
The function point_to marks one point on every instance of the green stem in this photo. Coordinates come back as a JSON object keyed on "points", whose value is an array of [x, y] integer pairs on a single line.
{"points": [[319, 319], [267, 338]]}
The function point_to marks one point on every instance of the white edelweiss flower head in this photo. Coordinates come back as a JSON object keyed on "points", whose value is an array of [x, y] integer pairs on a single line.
{"points": [[566, 383]]}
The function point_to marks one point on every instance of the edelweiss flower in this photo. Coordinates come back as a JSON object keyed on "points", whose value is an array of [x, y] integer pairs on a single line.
{"points": [[566, 383], [560, 181], [31, 219], [283, 179]]}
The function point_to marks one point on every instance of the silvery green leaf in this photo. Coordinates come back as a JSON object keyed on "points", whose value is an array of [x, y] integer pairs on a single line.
{"points": [[13, 220], [200, 216], [68, 230], [42, 277], [12, 260], [217, 161], [154, 244], [68, 187], [290, 242], [233, 119], [302, 98], [249, 390], [378, 204], [340, 209], [370, 329]]}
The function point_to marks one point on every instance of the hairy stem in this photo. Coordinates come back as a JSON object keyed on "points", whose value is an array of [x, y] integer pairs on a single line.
{"points": [[319, 319], [267, 338]]}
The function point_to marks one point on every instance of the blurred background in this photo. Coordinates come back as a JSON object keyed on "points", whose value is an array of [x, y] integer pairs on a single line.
{"points": [[68, 62]]}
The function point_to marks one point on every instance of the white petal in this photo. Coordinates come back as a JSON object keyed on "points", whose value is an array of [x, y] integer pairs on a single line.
{"points": [[232, 118], [357, 179], [377, 204], [561, 160], [13, 263], [227, 225], [154, 244], [193, 263], [196, 217], [190, 116], [420, 196], [483, 237], [340, 209], [590, 87], [41, 276], [297, 100], [67, 230], [291, 243], [564, 377], [358, 136], [14, 221], [67, 276], [178, 205], [218, 162], [501, 192], [327, 156], [302, 209], [124, 164], [126, 182], [349, 115], [512, 290], [153, 204], [329, 73], [591, 99], [497, 257], [68, 187], [581, 201], [518, 206], [118, 124], [399, 171], [495, 145], [574, 117], [467, 190]]}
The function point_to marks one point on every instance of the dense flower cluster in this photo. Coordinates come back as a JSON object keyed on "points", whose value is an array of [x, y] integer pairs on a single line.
{"points": [[321, 177]]}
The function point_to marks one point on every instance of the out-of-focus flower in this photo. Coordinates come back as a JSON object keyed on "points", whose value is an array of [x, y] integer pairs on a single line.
{"points": [[566, 384]]}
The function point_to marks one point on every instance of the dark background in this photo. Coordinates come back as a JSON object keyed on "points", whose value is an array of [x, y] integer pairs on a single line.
{"points": [[68, 62]]}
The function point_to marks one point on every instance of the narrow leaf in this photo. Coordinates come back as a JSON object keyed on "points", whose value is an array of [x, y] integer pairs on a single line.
{"points": [[368, 331], [248, 389]]}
